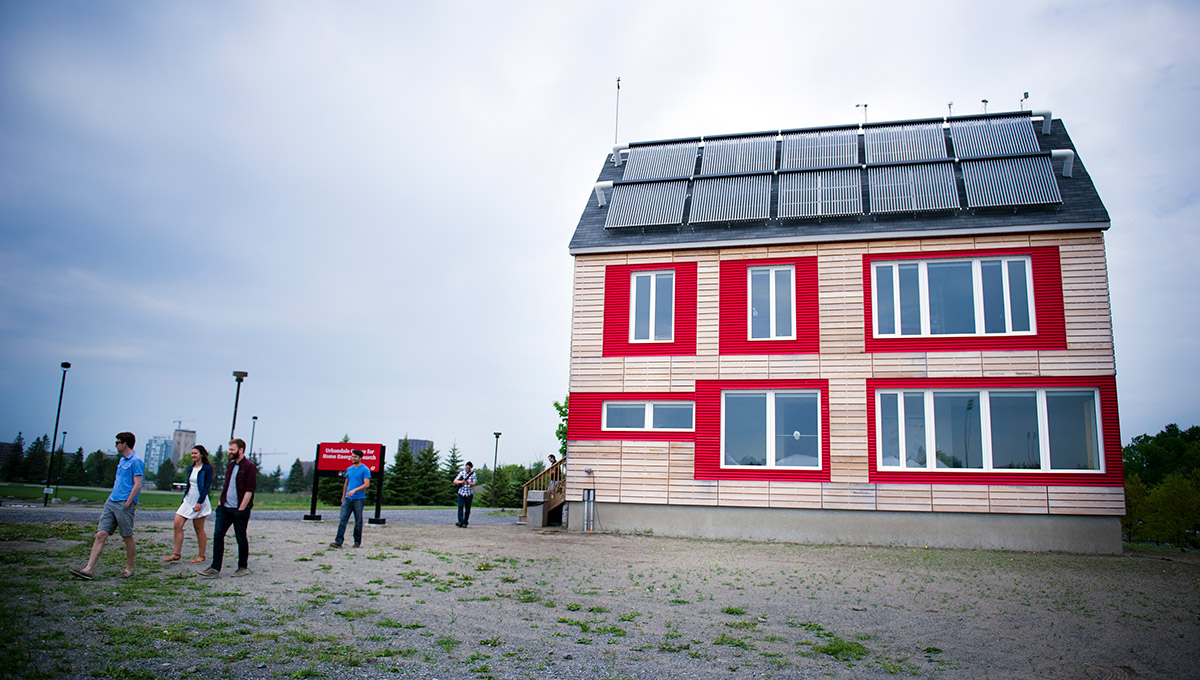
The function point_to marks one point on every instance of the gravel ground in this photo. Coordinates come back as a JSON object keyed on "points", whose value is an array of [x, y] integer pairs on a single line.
{"points": [[501, 601]]}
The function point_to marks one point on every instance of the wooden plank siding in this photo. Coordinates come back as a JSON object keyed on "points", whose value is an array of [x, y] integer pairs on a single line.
{"points": [[657, 472]]}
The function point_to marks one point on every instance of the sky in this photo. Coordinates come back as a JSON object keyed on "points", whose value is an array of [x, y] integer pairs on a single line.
{"points": [[366, 206]]}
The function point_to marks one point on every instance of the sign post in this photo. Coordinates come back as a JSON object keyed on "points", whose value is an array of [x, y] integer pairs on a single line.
{"points": [[333, 458]]}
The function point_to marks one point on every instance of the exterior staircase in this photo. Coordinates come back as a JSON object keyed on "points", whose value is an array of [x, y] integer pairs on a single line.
{"points": [[544, 496]]}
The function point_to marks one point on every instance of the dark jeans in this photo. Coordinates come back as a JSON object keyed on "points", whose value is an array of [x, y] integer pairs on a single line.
{"points": [[350, 505], [238, 519], [464, 509]]}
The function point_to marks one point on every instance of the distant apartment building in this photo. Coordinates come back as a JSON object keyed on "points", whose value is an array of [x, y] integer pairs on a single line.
{"points": [[158, 449], [416, 445], [183, 442]]}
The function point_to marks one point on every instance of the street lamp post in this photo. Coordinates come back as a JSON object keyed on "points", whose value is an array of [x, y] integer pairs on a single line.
{"points": [[253, 425], [62, 460], [495, 462], [46, 491], [239, 376]]}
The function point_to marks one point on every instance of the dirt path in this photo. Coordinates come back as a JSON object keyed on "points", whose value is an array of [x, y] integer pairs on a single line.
{"points": [[508, 602]]}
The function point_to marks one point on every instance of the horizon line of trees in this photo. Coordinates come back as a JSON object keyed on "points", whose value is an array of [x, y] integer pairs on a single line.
{"points": [[1162, 487]]}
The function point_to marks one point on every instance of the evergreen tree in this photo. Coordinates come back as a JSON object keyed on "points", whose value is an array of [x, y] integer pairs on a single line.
{"points": [[296, 481], [166, 475], [11, 470], [498, 489], [329, 490], [73, 472], [450, 468], [514, 494], [218, 462], [428, 481], [398, 483], [274, 480], [36, 457]]}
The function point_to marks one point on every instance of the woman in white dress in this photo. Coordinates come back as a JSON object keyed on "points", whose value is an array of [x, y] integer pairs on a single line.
{"points": [[195, 505]]}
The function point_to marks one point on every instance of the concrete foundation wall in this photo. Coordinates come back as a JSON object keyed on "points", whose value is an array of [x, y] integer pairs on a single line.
{"points": [[1068, 533]]}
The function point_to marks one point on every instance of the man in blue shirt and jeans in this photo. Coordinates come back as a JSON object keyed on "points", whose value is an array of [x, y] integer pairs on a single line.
{"points": [[119, 509], [354, 495]]}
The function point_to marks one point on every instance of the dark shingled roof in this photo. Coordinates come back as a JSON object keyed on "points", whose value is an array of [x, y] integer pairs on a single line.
{"points": [[1081, 208]]}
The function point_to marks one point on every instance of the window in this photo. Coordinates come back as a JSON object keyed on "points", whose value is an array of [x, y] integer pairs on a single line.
{"points": [[630, 415], [653, 310], [988, 429], [772, 305], [773, 429], [981, 296]]}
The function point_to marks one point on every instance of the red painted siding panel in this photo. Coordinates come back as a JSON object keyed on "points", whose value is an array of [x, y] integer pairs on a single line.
{"points": [[1047, 301], [1113, 475], [585, 419], [735, 302], [708, 431], [616, 311]]}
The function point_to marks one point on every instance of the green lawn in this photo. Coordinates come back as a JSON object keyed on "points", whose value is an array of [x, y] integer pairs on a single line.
{"points": [[169, 500]]}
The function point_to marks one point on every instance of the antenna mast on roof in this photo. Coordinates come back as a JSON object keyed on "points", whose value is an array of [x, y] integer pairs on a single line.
{"points": [[617, 123]]}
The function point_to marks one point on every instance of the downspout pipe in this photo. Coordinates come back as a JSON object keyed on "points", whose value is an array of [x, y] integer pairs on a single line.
{"points": [[601, 201], [617, 149], [1068, 157], [1046, 118]]}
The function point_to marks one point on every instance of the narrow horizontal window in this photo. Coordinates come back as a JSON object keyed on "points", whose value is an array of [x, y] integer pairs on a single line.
{"points": [[943, 298], [988, 430], [772, 429], [639, 415]]}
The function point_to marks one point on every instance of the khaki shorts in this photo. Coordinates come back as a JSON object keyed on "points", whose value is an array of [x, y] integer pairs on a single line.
{"points": [[116, 516]]}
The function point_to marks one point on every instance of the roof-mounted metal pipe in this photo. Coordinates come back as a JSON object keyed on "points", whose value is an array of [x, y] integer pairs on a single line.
{"points": [[617, 149], [599, 189], [1068, 157], [1046, 118]]}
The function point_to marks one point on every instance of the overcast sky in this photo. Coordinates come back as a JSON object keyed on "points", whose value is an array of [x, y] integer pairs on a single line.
{"points": [[367, 205]]}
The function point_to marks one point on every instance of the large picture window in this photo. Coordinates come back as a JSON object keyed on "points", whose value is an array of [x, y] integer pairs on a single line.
{"points": [[653, 309], [953, 297], [989, 430], [772, 304], [771, 428], [631, 415]]}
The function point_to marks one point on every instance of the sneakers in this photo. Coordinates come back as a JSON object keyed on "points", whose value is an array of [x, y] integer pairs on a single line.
{"points": [[244, 571], [208, 572], [358, 545], [335, 545]]}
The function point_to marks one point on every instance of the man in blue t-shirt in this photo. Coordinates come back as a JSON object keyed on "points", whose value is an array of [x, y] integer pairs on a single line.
{"points": [[119, 508], [354, 495]]}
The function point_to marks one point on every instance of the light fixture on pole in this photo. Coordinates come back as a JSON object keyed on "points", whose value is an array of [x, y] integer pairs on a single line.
{"points": [[54, 445], [495, 462], [239, 376], [253, 425]]}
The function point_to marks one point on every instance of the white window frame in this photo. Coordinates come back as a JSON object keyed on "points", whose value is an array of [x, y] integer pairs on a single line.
{"points": [[985, 415], [770, 464], [653, 276], [977, 293], [648, 420], [771, 305]]}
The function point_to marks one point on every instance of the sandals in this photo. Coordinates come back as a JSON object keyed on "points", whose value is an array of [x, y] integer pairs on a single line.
{"points": [[198, 559], [79, 573], [125, 573], [172, 558]]}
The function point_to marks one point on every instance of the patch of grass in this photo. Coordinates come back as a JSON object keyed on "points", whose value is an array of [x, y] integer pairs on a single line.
{"points": [[842, 650], [392, 623], [356, 614], [734, 611], [493, 641], [724, 639], [447, 643]]}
